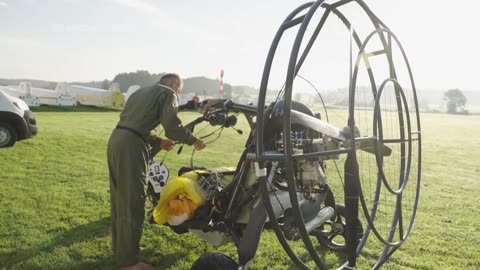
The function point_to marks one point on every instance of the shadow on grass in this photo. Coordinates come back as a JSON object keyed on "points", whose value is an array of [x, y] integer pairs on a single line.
{"points": [[79, 234], [81, 108], [395, 260], [164, 261], [19, 259], [101, 263], [172, 249], [322, 252]]}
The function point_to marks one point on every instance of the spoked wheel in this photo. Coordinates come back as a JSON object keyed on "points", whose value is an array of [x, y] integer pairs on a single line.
{"points": [[332, 233]]}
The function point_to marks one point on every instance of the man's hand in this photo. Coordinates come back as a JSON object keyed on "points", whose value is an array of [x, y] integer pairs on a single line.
{"points": [[167, 144], [198, 144]]}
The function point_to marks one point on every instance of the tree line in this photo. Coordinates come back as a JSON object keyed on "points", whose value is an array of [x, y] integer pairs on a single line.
{"points": [[454, 98]]}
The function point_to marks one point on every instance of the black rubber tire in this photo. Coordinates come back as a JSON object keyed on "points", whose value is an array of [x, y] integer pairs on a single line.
{"points": [[215, 261], [332, 245], [8, 135], [329, 243], [341, 221]]}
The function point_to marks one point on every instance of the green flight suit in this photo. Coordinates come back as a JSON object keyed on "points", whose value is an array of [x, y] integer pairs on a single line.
{"points": [[128, 152]]}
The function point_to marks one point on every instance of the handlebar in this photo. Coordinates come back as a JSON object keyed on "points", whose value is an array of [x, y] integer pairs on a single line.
{"points": [[215, 111], [195, 122], [209, 104]]}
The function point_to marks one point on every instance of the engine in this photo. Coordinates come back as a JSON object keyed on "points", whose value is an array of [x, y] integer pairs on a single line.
{"points": [[315, 198], [309, 173]]}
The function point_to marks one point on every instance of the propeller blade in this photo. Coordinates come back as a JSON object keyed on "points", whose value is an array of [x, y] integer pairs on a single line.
{"points": [[369, 146], [317, 125], [365, 144]]}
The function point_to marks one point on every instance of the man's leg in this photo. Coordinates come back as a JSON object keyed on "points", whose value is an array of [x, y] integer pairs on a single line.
{"points": [[111, 161], [129, 162], [113, 213]]}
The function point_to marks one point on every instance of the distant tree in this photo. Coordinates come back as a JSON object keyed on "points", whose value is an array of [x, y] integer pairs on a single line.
{"points": [[228, 91], [456, 100], [200, 86], [423, 104], [205, 85], [298, 97], [105, 84], [140, 77]]}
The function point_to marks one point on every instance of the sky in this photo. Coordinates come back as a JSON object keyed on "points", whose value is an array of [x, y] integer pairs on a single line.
{"points": [[85, 40]]}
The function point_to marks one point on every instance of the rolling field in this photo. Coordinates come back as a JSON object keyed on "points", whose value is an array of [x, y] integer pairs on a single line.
{"points": [[54, 200]]}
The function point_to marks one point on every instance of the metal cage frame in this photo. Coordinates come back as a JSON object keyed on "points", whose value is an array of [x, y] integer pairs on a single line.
{"points": [[352, 188]]}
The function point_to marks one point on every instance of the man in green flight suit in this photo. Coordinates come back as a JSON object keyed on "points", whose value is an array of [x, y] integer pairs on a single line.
{"points": [[129, 150]]}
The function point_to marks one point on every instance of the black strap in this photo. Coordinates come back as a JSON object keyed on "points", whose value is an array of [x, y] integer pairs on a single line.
{"points": [[134, 131]]}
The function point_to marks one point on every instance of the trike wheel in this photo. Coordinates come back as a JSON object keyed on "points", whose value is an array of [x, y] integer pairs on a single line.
{"points": [[332, 233]]}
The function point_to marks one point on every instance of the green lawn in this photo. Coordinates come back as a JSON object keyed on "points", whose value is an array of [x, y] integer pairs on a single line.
{"points": [[55, 203]]}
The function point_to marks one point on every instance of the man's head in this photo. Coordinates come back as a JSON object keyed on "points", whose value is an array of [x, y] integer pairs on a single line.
{"points": [[173, 81]]}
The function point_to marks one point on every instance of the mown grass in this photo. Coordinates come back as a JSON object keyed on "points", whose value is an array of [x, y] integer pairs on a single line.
{"points": [[55, 203]]}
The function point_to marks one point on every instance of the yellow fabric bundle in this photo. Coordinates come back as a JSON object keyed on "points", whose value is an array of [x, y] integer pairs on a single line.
{"points": [[180, 198]]}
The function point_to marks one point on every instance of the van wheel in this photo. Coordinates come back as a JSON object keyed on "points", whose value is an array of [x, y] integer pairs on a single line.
{"points": [[8, 135]]}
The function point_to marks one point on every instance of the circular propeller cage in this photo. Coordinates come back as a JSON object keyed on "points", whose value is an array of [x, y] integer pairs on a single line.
{"points": [[379, 186]]}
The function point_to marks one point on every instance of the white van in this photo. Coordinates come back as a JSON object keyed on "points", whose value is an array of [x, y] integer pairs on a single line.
{"points": [[17, 122]]}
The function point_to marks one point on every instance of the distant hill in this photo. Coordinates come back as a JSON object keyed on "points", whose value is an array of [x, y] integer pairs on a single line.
{"points": [[436, 96], [205, 86], [35, 83], [428, 100], [49, 84], [201, 86]]}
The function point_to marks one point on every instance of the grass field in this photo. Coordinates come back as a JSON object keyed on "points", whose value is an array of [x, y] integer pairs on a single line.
{"points": [[55, 203]]}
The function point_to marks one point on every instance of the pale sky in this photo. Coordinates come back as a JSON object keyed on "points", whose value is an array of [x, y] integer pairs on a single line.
{"points": [[84, 40]]}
